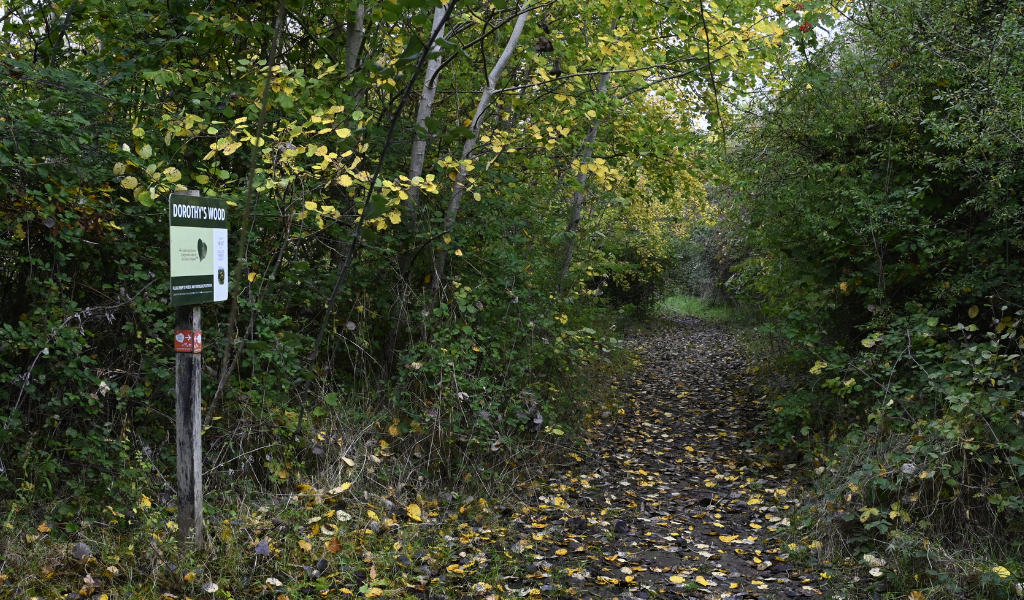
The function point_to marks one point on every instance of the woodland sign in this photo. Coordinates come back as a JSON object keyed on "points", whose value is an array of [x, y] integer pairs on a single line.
{"points": [[199, 249]]}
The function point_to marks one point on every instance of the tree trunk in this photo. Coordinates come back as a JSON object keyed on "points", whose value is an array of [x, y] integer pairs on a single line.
{"points": [[355, 30], [467, 148], [426, 107], [416, 162], [576, 204]]}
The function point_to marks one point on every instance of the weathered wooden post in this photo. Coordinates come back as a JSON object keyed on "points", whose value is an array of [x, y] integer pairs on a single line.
{"points": [[199, 264], [188, 424]]}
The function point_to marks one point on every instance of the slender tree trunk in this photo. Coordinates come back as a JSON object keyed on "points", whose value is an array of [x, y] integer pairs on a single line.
{"points": [[354, 32], [416, 162], [467, 148], [426, 106], [576, 204], [231, 349]]}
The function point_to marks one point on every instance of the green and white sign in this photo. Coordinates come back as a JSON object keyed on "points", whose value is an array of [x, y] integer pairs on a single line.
{"points": [[199, 250]]}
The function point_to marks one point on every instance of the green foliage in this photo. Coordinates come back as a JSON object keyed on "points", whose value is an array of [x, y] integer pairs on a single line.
{"points": [[107, 107], [698, 307], [882, 218]]}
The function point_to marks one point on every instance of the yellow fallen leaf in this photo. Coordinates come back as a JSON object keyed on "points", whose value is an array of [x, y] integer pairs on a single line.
{"points": [[916, 595], [727, 538], [414, 512], [44, 528], [676, 579], [561, 552], [1000, 571], [305, 545], [458, 253], [689, 448], [700, 579], [755, 526]]}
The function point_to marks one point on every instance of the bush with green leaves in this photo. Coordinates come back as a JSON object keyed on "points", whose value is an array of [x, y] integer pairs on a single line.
{"points": [[418, 250], [881, 210]]}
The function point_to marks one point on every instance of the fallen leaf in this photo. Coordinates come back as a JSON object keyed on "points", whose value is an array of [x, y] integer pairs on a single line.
{"points": [[341, 488], [263, 548], [80, 551], [1002, 572], [414, 512]]}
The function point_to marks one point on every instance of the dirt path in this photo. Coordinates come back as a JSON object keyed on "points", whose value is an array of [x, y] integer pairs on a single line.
{"points": [[675, 505]]}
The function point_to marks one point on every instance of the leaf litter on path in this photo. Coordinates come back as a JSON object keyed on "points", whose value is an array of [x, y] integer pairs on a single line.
{"points": [[675, 504], [671, 503]]}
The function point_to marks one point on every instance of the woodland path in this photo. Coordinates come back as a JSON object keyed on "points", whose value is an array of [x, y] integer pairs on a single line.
{"points": [[674, 505]]}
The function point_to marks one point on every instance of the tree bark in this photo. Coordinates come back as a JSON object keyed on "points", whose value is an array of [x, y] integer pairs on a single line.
{"points": [[355, 31], [467, 148], [426, 106], [576, 204]]}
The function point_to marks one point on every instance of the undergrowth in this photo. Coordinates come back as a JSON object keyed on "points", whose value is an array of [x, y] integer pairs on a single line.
{"points": [[371, 508]]}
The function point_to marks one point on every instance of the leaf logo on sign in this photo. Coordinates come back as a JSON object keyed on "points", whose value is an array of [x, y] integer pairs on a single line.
{"points": [[202, 249]]}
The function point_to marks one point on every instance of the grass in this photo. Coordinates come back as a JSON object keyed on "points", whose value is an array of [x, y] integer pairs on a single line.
{"points": [[340, 524], [691, 306]]}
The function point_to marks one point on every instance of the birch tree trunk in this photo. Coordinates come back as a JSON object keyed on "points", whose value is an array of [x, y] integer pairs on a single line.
{"points": [[355, 31], [576, 204], [426, 106], [467, 148], [411, 215]]}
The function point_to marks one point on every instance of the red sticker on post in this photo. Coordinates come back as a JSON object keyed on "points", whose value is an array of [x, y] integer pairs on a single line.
{"points": [[184, 341], [197, 342]]}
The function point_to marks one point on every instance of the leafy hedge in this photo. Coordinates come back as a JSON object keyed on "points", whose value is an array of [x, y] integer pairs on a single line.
{"points": [[880, 205]]}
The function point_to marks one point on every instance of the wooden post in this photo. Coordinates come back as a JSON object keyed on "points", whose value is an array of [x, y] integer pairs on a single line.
{"points": [[188, 428]]}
